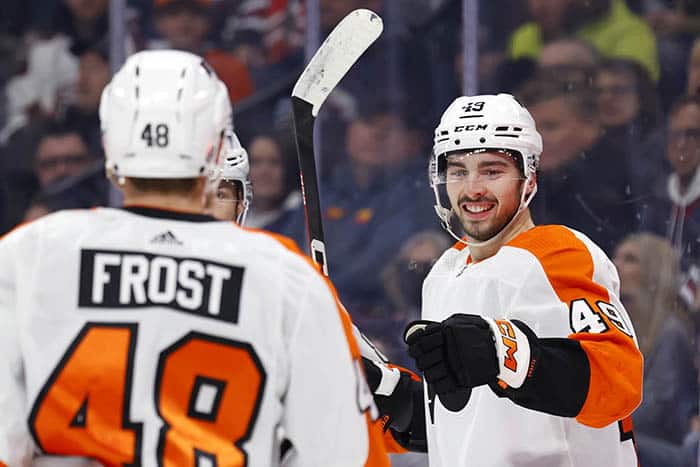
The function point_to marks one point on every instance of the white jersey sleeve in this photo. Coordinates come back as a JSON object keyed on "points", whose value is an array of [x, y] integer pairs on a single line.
{"points": [[319, 419], [16, 446]]}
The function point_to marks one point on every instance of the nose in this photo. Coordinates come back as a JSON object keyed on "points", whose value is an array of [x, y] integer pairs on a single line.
{"points": [[474, 186]]}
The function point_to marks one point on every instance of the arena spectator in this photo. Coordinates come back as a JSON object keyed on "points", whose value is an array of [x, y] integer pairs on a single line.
{"points": [[583, 180], [43, 89], [371, 204], [676, 24], [403, 281], [629, 112], [184, 25], [626, 96], [674, 210], [84, 22], [62, 31], [395, 69], [649, 282], [261, 33], [61, 154], [607, 24], [93, 75], [693, 80], [275, 181]]}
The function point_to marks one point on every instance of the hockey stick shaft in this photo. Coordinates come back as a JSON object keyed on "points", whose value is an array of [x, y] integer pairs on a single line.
{"points": [[303, 129], [341, 49]]}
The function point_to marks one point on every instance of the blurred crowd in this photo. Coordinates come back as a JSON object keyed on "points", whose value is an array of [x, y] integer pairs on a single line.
{"points": [[614, 86]]}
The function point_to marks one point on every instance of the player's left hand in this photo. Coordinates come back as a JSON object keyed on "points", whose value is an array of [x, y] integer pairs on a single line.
{"points": [[463, 351], [426, 344], [459, 352]]}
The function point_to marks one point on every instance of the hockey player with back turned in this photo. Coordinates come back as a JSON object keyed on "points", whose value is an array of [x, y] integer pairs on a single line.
{"points": [[155, 335], [528, 356]]}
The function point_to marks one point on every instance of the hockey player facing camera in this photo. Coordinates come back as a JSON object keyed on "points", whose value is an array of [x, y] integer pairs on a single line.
{"points": [[156, 335], [528, 356]]}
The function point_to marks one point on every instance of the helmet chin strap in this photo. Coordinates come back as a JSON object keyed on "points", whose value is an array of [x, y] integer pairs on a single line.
{"points": [[524, 203]]}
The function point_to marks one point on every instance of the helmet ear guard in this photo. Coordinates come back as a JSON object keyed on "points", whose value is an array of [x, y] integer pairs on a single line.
{"points": [[235, 167]]}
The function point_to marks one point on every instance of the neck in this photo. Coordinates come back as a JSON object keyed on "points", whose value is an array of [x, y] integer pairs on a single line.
{"points": [[521, 223], [194, 205]]}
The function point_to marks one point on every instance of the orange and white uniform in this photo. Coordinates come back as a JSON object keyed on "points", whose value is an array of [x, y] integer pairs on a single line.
{"points": [[573, 410], [154, 338]]}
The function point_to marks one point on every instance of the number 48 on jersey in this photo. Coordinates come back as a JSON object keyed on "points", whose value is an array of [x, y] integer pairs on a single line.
{"points": [[83, 409]]}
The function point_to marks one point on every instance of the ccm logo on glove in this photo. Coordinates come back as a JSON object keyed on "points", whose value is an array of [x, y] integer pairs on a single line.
{"points": [[466, 351]]}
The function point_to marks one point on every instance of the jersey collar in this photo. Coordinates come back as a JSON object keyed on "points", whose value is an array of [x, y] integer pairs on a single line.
{"points": [[159, 213]]}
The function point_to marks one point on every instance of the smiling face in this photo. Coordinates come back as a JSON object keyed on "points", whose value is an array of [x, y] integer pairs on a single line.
{"points": [[484, 191]]}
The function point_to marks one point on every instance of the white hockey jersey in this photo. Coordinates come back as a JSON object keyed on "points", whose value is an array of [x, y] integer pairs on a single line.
{"points": [[561, 285], [155, 338]]}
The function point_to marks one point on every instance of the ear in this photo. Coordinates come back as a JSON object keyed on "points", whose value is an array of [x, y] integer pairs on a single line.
{"points": [[531, 184]]}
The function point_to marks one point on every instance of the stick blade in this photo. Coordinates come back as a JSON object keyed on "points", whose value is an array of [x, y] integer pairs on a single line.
{"points": [[341, 49]]}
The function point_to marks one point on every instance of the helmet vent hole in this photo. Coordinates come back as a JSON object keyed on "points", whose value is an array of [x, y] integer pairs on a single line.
{"points": [[515, 128], [482, 140], [444, 133], [501, 128], [457, 141], [205, 65]]}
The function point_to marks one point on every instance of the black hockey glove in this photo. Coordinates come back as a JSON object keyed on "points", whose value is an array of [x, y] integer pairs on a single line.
{"points": [[398, 395], [391, 389], [426, 344], [462, 351]]}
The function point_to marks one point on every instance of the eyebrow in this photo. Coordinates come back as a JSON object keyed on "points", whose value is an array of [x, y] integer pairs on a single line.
{"points": [[481, 165]]}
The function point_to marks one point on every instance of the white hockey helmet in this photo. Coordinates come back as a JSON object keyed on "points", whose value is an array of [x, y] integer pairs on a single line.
{"points": [[164, 115], [235, 169], [473, 124]]}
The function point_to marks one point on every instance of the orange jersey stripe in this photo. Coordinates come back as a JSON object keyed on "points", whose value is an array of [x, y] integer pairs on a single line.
{"points": [[392, 446], [615, 386], [376, 456]]}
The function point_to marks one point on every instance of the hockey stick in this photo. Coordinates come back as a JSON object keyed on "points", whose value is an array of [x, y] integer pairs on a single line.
{"points": [[341, 49]]}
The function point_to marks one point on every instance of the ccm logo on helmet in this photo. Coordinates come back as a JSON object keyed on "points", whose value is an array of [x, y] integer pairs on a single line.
{"points": [[120, 279], [470, 128]]}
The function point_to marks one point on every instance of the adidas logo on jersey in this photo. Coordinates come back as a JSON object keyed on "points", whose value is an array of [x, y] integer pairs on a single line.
{"points": [[166, 237]]}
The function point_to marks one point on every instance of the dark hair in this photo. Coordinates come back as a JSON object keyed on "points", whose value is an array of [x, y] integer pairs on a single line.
{"points": [[56, 129], [546, 87], [176, 6], [649, 108], [682, 102], [285, 144], [100, 48]]}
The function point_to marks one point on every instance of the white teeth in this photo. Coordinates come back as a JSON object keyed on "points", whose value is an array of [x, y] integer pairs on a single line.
{"points": [[477, 209]]}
